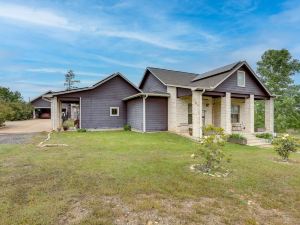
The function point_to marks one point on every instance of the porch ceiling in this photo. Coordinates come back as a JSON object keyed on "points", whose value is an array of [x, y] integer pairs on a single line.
{"points": [[69, 99]]}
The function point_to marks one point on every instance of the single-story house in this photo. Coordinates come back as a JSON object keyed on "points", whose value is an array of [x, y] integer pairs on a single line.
{"points": [[168, 100]]}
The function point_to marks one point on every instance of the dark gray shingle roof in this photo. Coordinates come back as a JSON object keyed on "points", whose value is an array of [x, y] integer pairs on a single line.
{"points": [[208, 79], [219, 70], [172, 77]]}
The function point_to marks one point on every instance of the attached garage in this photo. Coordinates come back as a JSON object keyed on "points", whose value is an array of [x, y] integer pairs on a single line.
{"points": [[148, 111]]}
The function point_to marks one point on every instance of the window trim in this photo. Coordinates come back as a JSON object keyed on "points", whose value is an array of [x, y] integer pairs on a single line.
{"points": [[118, 111], [238, 114], [240, 72]]}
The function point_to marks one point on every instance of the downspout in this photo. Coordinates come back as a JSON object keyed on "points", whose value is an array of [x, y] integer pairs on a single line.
{"points": [[80, 113], [144, 113]]}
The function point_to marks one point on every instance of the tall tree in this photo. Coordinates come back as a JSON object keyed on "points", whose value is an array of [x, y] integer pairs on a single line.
{"points": [[277, 68], [70, 80]]}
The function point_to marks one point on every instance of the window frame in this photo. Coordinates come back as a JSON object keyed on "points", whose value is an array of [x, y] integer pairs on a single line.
{"points": [[238, 114], [118, 111], [239, 73]]}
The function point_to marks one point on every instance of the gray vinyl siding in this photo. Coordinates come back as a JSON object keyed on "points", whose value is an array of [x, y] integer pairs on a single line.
{"points": [[96, 103], [135, 113], [152, 84], [252, 86], [181, 92], [41, 103], [156, 114]]}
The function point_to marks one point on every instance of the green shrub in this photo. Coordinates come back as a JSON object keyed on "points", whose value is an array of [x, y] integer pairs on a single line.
{"points": [[67, 124], [20, 111], [265, 136], [284, 146], [81, 130], [237, 136], [13, 102], [5, 111], [211, 149], [210, 130], [127, 127]]}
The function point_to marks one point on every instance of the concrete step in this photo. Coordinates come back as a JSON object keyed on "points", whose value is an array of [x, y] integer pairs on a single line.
{"points": [[252, 140]]}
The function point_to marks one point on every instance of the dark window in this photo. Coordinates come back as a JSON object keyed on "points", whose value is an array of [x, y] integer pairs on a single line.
{"points": [[114, 111], [235, 113], [190, 114]]}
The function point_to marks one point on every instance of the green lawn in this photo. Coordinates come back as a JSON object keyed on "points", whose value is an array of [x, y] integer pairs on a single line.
{"points": [[130, 178]]}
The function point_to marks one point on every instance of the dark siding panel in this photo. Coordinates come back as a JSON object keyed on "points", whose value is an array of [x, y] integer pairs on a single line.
{"points": [[41, 103], [152, 84], [252, 86], [156, 114], [181, 92], [135, 113], [96, 103]]}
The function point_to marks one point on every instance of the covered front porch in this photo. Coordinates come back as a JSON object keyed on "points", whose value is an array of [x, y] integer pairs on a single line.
{"points": [[233, 112]]}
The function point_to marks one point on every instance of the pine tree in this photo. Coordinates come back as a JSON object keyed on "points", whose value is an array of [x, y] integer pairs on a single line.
{"points": [[70, 80]]}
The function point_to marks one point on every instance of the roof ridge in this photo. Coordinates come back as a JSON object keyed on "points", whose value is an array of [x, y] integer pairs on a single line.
{"points": [[215, 71], [149, 67], [105, 78]]}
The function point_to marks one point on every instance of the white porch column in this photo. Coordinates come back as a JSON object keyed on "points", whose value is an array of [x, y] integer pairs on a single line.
{"points": [[197, 114], [59, 114], [226, 113], [54, 113], [269, 115], [56, 107], [34, 114], [249, 114], [172, 109]]}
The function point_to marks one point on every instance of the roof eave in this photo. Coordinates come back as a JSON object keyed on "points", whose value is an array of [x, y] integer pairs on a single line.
{"points": [[146, 94]]}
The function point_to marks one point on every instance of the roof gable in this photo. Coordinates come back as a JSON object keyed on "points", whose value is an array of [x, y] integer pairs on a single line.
{"points": [[252, 86], [94, 86], [251, 73], [170, 77], [150, 83]]}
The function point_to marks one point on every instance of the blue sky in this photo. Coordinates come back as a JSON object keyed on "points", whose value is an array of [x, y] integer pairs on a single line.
{"points": [[41, 40]]}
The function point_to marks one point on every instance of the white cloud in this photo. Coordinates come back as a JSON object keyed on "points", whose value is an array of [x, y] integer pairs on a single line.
{"points": [[36, 16], [63, 71], [176, 38], [120, 63], [290, 15]]}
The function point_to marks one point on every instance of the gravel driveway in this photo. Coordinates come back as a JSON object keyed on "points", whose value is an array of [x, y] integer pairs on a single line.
{"points": [[18, 132], [15, 138]]}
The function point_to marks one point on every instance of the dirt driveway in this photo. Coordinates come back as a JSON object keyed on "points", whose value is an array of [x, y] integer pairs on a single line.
{"points": [[17, 132], [26, 126]]}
